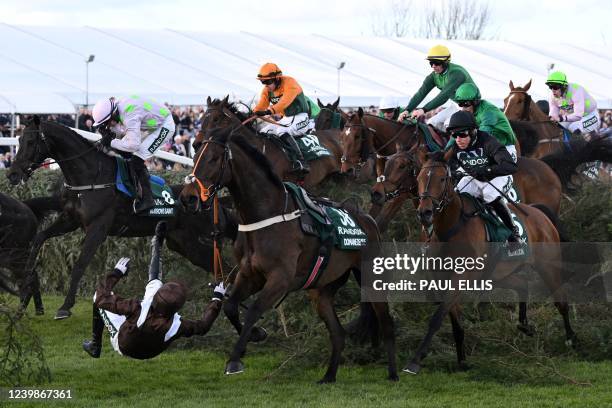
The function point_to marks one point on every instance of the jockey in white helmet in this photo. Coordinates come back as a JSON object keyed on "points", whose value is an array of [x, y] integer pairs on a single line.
{"points": [[143, 126]]}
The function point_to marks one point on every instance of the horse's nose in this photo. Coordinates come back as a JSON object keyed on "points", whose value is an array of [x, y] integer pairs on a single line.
{"points": [[425, 216], [13, 177], [190, 202], [377, 197]]}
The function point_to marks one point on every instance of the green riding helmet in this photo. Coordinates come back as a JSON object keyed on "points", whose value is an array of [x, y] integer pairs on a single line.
{"points": [[461, 120], [558, 78], [467, 92]]}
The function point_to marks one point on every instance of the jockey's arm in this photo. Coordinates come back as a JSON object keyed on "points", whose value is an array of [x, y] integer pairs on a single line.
{"points": [[264, 101], [200, 327], [578, 100], [131, 140], [455, 79], [426, 87], [291, 90], [504, 165], [553, 111], [107, 300]]}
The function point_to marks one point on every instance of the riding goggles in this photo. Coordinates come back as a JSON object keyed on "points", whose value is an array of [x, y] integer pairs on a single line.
{"points": [[267, 81], [554, 87], [435, 63], [464, 104], [461, 133]]}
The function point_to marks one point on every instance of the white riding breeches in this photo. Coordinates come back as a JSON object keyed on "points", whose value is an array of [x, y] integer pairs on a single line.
{"points": [[297, 125], [440, 120]]}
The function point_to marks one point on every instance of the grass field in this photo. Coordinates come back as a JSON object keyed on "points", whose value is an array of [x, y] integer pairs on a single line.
{"points": [[192, 375]]}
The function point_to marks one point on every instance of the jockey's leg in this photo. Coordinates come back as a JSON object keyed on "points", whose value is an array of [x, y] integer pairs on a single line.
{"points": [[298, 162], [143, 177], [297, 125], [440, 120], [155, 268], [93, 347], [498, 203]]}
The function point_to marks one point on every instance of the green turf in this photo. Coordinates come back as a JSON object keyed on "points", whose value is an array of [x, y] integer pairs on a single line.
{"points": [[185, 377]]}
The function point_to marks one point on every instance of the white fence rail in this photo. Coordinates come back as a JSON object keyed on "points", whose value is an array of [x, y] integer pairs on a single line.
{"points": [[14, 141]]}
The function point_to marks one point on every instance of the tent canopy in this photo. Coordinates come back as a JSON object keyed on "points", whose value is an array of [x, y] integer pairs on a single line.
{"points": [[44, 68]]}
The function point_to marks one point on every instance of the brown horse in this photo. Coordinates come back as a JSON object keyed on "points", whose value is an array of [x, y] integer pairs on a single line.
{"points": [[444, 210], [221, 113], [330, 117], [275, 256], [535, 182], [519, 106]]}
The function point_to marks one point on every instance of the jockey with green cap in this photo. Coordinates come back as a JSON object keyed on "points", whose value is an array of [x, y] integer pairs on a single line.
{"points": [[489, 118], [571, 105]]}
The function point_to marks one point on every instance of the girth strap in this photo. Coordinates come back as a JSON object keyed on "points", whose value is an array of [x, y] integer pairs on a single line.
{"points": [[270, 221], [88, 187]]}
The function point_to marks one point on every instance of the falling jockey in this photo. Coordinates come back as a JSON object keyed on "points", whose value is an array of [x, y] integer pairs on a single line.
{"points": [[144, 329], [143, 126], [488, 164], [283, 96]]}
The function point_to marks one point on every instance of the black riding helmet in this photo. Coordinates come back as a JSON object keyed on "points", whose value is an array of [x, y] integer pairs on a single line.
{"points": [[462, 120]]}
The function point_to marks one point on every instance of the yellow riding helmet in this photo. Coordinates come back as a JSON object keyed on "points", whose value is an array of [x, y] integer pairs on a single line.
{"points": [[269, 70], [439, 53]]}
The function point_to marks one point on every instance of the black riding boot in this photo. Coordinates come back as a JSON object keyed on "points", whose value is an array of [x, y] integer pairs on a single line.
{"points": [[142, 175], [502, 210], [298, 163], [155, 270], [93, 347]]}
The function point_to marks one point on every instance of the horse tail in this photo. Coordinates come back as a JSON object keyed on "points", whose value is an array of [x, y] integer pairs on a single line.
{"points": [[563, 237], [42, 206]]}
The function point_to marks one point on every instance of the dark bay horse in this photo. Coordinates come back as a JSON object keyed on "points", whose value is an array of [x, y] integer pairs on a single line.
{"points": [[221, 113], [442, 208], [276, 258], [546, 136], [18, 226], [100, 210]]}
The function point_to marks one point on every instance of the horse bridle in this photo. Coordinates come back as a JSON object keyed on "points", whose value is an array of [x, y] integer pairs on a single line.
{"points": [[38, 152], [401, 190], [526, 104], [364, 151], [439, 202], [209, 192]]}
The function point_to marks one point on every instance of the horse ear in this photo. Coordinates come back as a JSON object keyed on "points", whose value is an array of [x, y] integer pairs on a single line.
{"points": [[335, 105], [360, 112], [225, 99], [36, 120], [319, 103], [208, 101], [526, 87], [449, 154], [511, 85], [421, 155]]}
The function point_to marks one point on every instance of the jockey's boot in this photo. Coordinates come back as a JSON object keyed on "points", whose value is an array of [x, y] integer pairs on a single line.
{"points": [[298, 165], [142, 175], [502, 210], [93, 347]]}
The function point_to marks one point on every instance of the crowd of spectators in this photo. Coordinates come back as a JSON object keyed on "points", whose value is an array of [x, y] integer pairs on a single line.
{"points": [[606, 119]]}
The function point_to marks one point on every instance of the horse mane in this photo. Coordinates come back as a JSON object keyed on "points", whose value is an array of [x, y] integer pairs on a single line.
{"points": [[58, 127], [526, 134], [222, 135]]}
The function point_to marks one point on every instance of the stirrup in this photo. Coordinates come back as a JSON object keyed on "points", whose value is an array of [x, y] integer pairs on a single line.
{"points": [[141, 205]]}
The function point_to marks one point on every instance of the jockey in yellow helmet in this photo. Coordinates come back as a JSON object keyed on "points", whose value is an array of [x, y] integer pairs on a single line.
{"points": [[447, 77]]}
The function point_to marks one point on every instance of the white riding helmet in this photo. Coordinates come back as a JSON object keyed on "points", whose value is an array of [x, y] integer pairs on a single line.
{"points": [[103, 110], [388, 102]]}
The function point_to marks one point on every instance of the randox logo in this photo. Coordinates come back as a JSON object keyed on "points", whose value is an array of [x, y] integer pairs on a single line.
{"points": [[589, 122], [476, 162], [158, 140]]}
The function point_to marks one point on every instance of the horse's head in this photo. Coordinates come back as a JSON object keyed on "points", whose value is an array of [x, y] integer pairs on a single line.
{"points": [[329, 117], [211, 171], [399, 176], [33, 150], [518, 102], [219, 113], [435, 183], [355, 143]]}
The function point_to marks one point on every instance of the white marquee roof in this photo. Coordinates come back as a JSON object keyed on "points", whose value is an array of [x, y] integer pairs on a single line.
{"points": [[43, 69]]}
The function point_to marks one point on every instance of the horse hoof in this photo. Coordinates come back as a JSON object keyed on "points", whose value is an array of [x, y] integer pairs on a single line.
{"points": [[258, 335], [234, 367], [326, 380], [62, 314], [527, 329], [40, 312], [412, 368]]}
